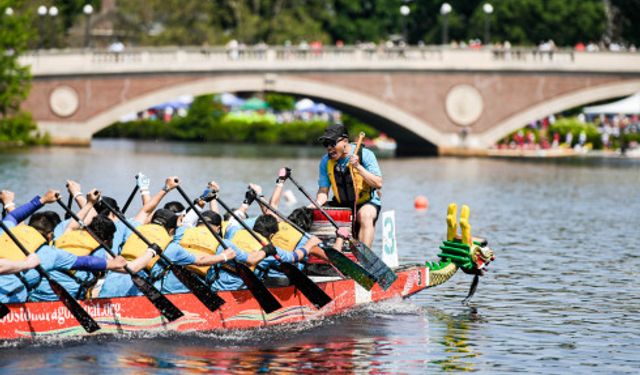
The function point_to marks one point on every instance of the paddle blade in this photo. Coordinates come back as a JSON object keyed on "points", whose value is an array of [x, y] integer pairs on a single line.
{"points": [[267, 301], [350, 268], [4, 310], [301, 281], [372, 263], [208, 297], [162, 303], [83, 317]]}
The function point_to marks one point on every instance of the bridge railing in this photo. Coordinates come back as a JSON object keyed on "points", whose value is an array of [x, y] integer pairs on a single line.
{"points": [[52, 62]]}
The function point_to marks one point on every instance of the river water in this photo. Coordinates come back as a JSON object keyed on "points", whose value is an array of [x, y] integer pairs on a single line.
{"points": [[563, 294]]}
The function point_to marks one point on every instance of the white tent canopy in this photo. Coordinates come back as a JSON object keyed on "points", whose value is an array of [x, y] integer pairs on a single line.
{"points": [[626, 106]]}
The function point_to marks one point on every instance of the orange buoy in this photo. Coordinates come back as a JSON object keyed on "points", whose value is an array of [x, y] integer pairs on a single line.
{"points": [[421, 202]]}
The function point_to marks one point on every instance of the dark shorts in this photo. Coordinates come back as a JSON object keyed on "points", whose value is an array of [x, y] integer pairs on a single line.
{"points": [[333, 203]]}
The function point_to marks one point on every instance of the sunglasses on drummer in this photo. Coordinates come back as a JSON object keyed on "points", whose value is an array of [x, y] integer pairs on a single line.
{"points": [[330, 142]]}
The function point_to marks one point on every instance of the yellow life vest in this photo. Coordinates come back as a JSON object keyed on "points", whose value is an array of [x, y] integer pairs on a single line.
{"points": [[134, 247], [287, 237], [77, 242], [199, 241], [343, 184], [245, 241], [28, 236]]}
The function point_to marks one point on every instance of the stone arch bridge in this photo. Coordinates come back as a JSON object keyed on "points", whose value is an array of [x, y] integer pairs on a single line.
{"points": [[430, 100]]}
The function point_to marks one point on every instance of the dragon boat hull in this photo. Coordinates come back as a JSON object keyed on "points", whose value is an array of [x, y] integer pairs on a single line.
{"points": [[43, 320]]}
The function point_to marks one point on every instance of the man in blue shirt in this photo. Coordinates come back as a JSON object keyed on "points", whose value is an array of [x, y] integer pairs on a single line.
{"points": [[344, 173]]}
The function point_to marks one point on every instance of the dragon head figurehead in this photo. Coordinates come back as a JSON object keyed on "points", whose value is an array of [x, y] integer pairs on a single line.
{"points": [[481, 257]]}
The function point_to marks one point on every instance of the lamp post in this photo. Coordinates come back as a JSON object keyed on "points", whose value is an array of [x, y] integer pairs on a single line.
{"points": [[445, 9], [42, 12], [53, 12], [405, 11], [87, 10], [487, 9]]}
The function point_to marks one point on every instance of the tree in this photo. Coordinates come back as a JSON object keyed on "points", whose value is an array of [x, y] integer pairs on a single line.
{"points": [[14, 78], [15, 126]]}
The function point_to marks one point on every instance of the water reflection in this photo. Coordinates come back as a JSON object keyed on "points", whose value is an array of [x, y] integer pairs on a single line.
{"points": [[345, 356], [460, 353]]}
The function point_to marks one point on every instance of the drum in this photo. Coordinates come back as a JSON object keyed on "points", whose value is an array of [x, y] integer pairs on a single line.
{"points": [[323, 228]]}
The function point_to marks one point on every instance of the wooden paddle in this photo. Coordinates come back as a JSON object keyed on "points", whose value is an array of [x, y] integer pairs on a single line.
{"points": [[267, 301], [162, 303], [85, 320], [301, 281], [367, 258], [345, 265], [355, 186], [199, 289]]}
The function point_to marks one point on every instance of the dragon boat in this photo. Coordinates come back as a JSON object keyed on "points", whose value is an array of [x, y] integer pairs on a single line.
{"points": [[132, 315]]}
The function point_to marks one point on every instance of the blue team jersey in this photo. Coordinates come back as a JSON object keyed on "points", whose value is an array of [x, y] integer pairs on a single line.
{"points": [[119, 284], [369, 162], [53, 261]]}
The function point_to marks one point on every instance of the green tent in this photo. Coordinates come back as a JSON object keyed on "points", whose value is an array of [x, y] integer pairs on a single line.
{"points": [[254, 104]]}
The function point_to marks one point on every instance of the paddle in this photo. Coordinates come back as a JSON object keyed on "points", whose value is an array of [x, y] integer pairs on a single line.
{"points": [[355, 186], [301, 281], [85, 320], [369, 260], [162, 303], [4, 310], [133, 193], [69, 204], [199, 289], [345, 265], [267, 301]]}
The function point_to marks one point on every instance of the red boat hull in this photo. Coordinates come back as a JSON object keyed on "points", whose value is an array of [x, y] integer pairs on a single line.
{"points": [[35, 320]]}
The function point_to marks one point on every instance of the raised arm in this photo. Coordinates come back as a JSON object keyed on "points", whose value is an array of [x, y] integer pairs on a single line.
{"points": [[7, 197], [86, 213], [75, 191], [21, 213], [144, 215]]}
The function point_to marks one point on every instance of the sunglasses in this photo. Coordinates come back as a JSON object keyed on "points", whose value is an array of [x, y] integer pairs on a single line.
{"points": [[330, 142]]}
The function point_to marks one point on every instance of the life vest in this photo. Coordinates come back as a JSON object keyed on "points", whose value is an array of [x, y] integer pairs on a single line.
{"points": [[134, 247], [245, 241], [77, 242], [28, 236], [287, 237], [199, 241], [343, 185]]}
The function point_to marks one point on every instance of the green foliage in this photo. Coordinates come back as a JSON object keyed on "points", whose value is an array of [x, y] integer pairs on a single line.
{"points": [[214, 22], [280, 102], [202, 125], [355, 126], [20, 130], [575, 127], [16, 127], [14, 79]]}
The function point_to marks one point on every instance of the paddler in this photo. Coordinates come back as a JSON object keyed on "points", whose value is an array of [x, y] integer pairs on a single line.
{"points": [[336, 169], [164, 231], [255, 255], [36, 238]]}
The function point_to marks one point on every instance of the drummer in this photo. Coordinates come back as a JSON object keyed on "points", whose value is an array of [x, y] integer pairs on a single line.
{"points": [[335, 173]]}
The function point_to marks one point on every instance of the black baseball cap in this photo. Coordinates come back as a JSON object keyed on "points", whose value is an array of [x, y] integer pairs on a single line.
{"points": [[164, 217], [334, 132]]}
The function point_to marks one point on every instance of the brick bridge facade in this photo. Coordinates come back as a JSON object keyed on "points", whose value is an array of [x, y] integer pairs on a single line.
{"points": [[430, 101]]}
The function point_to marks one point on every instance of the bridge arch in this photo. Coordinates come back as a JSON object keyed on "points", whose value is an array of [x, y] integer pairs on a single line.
{"points": [[555, 105], [407, 125]]}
